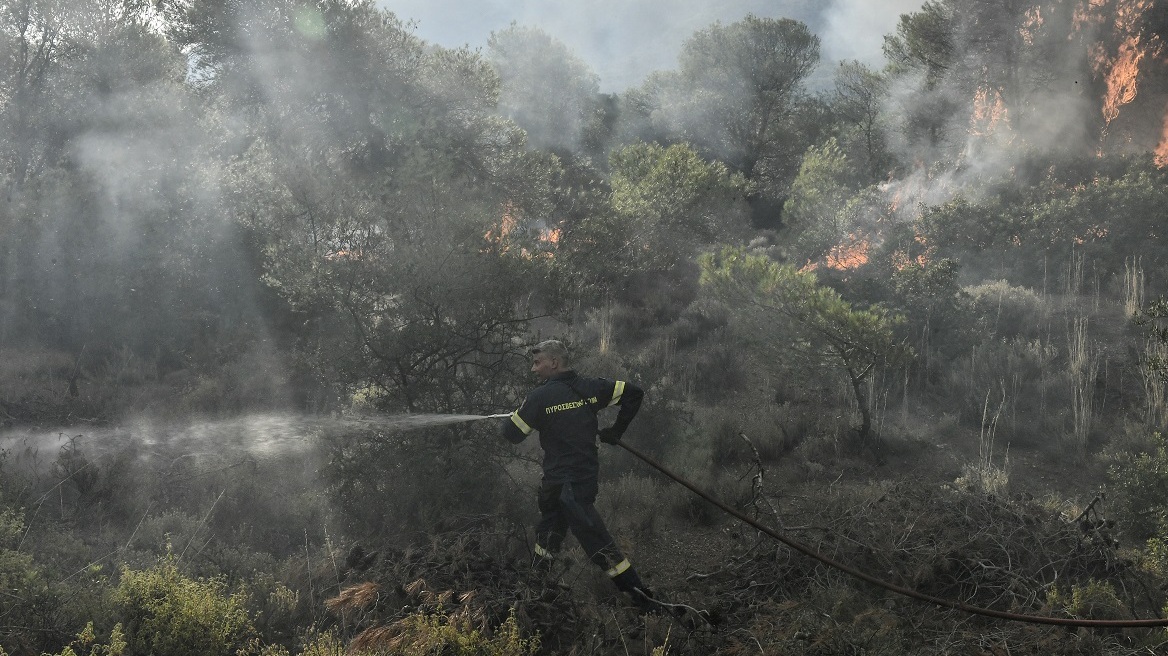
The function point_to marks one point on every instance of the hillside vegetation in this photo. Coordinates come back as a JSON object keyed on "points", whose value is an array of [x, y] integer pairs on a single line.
{"points": [[915, 319]]}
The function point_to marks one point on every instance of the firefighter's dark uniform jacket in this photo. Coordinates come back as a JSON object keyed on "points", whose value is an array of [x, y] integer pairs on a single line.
{"points": [[564, 410]]}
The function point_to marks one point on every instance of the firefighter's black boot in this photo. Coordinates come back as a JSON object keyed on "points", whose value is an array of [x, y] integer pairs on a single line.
{"points": [[628, 581]]}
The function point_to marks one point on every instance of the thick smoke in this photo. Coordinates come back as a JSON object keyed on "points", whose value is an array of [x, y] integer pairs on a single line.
{"points": [[625, 41], [133, 259], [1018, 85], [855, 29], [544, 87]]}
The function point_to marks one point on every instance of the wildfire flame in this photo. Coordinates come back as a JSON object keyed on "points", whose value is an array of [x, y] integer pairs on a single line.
{"points": [[1120, 72], [1161, 155], [851, 253], [550, 236], [1093, 233], [508, 221], [503, 234], [1087, 14], [989, 109], [1122, 78], [1128, 13], [1031, 22], [903, 259]]}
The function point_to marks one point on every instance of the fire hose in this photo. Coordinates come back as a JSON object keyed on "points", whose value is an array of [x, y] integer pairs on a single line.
{"points": [[880, 583], [891, 587]]}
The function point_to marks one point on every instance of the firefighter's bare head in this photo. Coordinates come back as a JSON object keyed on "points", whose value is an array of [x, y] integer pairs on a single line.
{"points": [[549, 358]]}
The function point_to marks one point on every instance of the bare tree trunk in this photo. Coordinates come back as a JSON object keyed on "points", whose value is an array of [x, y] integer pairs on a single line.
{"points": [[862, 402]]}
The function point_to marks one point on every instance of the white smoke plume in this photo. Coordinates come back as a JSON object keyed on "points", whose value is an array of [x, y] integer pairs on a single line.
{"points": [[625, 40]]}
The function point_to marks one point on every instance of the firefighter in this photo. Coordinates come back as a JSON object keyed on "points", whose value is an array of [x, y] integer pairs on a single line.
{"points": [[564, 410]]}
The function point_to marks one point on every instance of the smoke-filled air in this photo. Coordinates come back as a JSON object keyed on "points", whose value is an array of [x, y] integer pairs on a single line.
{"points": [[619, 328]]}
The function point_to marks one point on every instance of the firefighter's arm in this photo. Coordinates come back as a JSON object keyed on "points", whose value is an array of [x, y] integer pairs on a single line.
{"points": [[628, 396], [518, 426]]}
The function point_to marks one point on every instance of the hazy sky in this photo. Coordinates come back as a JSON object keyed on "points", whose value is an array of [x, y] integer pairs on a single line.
{"points": [[623, 40]]}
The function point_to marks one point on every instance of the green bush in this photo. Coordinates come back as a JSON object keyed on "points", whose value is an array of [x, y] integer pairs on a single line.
{"points": [[1005, 310], [324, 644], [87, 644], [389, 484], [1022, 378], [1138, 483], [28, 605], [167, 613], [1095, 600]]}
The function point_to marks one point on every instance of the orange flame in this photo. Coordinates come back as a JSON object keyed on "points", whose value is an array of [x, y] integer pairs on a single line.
{"points": [[510, 229], [506, 225], [851, 253], [1128, 13], [1087, 14], [1093, 233], [1031, 22], [1120, 72], [1161, 155], [902, 259], [987, 112], [849, 256], [1122, 78], [895, 201]]}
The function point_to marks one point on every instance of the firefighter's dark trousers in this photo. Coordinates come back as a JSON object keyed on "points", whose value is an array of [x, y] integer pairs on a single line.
{"points": [[565, 506]]}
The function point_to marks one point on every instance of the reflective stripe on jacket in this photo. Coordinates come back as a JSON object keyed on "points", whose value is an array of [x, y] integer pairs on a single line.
{"points": [[563, 410]]}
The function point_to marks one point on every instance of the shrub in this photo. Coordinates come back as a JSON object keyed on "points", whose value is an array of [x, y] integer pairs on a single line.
{"points": [[1007, 311], [1021, 379], [1094, 600], [389, 484], [699, 322], [1139, 486], [86, 643], [324, 644], [167, 613], [29, 606]]}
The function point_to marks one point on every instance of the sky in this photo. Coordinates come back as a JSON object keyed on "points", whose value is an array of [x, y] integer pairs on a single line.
{"points": [[625, 40]]}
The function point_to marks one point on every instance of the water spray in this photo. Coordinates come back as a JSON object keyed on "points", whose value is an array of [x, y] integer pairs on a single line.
{"points": [[256, 436], [416, 421]]}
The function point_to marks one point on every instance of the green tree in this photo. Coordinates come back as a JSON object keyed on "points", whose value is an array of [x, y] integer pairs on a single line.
{"points": [[860, 94], [789, 315], [665, 204], [924, 40], [822, 207], [736, 91], [671, 201], [550, 92], [406, 235], [34, 40], [112, 209], [937, 322], [924, 45], [1104, 219], [1008, 63]]}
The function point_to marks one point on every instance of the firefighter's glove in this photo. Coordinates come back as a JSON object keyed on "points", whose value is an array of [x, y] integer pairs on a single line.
{"points": [[609, 435]]}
